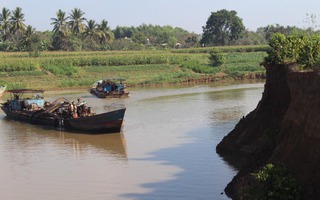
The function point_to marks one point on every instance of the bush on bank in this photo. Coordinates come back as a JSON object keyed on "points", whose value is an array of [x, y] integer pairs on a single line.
{"points": [[303, 50], [273, 182]]}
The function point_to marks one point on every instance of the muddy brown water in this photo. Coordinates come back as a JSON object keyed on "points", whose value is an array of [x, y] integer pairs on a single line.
{"points": [[166, 149]]}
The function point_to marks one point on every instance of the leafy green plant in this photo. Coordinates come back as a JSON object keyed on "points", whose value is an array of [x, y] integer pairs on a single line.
{"points": [[274, 182], [216, 57], [278, 51], [197, 67], [309, 51], [303, 50], [61, 70]]}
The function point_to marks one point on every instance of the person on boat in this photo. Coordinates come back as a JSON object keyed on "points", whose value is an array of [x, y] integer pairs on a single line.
{"points": [[79, 107], [99, 87], [114, 87], [120, 87], [78, 102], [75, 112], [71, 109]]}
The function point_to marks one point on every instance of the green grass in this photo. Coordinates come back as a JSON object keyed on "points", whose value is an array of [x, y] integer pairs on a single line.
{"points": [[198, 67], [60, 70], [253, 57]]}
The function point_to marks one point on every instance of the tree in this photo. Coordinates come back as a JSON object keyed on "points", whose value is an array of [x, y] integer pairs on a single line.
{"points": [[45, 39], [124, 32], [269, 30], [76, 21], [91, 35], [17, 20], [60, 24], [31, 41], [222, 28], [91, 31], [192, 40], [60, 30], [139, 38], [250, 38], [26, 38], [5, 23], [106, 33]]}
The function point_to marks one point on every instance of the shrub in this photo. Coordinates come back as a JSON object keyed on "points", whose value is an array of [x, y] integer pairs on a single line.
{"points": [[275, 182], [216, 58], [303, 50], [197, 67]]}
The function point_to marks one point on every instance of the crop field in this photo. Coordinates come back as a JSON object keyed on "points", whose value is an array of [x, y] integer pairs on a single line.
{"points": [[65, 70]]}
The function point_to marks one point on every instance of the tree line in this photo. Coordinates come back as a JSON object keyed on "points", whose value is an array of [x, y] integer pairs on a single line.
{"points": [[74, 32]]}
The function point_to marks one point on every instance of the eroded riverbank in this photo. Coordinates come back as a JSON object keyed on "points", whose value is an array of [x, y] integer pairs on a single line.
{"points": [[166, 150]]}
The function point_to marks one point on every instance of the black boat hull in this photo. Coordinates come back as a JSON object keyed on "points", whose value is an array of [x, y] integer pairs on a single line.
{"points": [[110, 122], [115, 94]]}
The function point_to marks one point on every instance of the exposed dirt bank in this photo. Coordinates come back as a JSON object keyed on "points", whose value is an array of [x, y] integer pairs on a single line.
{"points": [[284, 127]]}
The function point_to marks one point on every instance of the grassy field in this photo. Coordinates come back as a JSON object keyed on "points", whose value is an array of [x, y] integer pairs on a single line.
{"points": [[65, 70]]}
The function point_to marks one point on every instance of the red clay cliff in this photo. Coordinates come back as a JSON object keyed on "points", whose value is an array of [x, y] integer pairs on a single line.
{"points": [[284, 128]]}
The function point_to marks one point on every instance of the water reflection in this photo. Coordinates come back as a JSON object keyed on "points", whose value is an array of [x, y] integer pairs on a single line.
{"points": [[113, 143], [201, 176], [24, 136], [233, 105], [230, 107]]}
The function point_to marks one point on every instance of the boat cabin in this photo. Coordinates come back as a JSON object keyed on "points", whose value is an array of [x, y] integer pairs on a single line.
{"points": [[26, 99]]}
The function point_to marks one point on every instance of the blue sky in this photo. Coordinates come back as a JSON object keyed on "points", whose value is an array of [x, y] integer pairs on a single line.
{"points": [[187, 14]]}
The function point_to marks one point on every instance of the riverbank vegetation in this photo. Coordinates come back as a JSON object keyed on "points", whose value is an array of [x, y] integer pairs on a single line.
{"points": [[273, 182], [78, 51], [303, 50], [59, 70]]}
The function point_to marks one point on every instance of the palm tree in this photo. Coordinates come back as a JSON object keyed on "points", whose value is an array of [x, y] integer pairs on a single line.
{"points": [[5, 22], [103, 26], [76, 21], [106, 33], [60, 26], [17, 20], [26, 38], [60, 30], [91, 31]]}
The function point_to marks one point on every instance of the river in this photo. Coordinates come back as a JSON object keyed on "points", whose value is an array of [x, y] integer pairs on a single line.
{"points": [[166, 150]]}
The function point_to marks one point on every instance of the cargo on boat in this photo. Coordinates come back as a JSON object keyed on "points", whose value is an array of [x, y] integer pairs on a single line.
{"points": [[109, 88], [62, 113]]}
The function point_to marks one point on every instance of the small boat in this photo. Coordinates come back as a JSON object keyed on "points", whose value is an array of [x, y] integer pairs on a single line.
{"points": [[2, 89], [109, 88], [62, 113]]}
